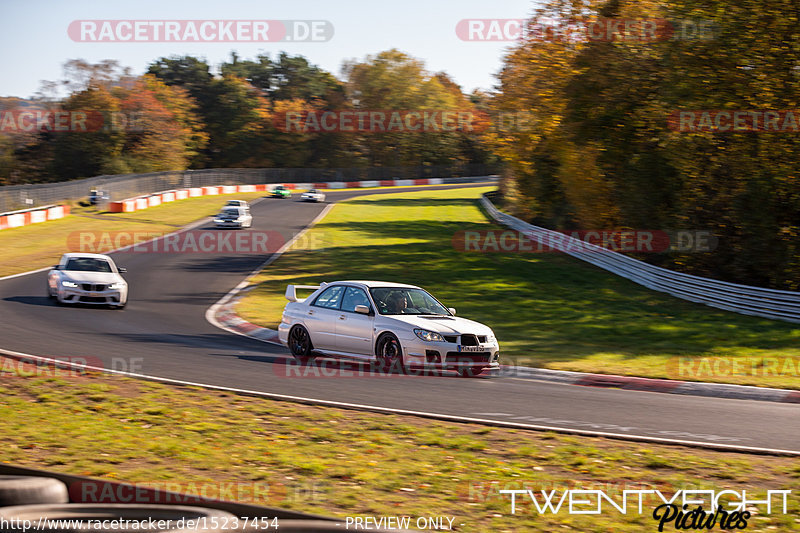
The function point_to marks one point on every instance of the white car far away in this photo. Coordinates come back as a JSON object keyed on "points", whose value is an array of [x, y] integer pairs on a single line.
{"points": [[312, 195], [396, 325], [238, 203], [233, 217], [91, 279]]}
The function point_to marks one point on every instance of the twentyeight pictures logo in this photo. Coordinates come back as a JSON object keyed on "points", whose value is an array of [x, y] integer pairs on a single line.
{"points": [[209, 31]]}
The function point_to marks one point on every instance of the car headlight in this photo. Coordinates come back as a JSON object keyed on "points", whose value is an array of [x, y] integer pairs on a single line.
{"points": [[68, 283], [429, 336], [491, 338], [116, 286]]}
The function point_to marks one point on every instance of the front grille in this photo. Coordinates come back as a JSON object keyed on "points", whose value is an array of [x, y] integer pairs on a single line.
{"points": [[90, 287], [92, 299], [462, 357], [451, 338], [482, 339], [469, 340]]}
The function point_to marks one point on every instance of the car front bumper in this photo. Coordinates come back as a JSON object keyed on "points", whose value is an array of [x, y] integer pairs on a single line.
{"points": [[105, 297], [447, 355]]}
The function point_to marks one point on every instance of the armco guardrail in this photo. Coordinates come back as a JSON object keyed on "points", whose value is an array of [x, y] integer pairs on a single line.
{"points": [[130, 185], [744, 299]]}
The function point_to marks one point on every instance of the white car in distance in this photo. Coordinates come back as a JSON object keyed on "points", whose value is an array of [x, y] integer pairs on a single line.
{"points": [[238, 203], [312, 195], [92, 279], [233, 217], [396, 325]]}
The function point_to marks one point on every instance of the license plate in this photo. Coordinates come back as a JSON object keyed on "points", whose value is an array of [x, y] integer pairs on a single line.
{"points": [[95, 294], [471, 348]]}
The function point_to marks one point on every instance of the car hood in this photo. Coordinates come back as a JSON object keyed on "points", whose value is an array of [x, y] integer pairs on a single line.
{"points": [[91, 277], [446, 325]]}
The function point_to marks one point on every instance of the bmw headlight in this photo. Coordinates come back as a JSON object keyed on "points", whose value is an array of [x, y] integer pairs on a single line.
{"points": [[429, 336], [116, 286], [490, 337], [68, 283]]}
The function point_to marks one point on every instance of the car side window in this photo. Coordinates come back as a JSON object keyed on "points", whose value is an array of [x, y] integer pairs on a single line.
{"points": [[330, 297], [354, 296]]}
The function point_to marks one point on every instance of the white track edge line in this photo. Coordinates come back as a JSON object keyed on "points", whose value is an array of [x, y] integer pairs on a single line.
{"points": [[407, 412]]}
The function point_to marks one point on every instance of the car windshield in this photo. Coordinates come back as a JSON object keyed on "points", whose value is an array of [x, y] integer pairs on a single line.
{"points": [[230, 212], [88, 264], [406, 301]]}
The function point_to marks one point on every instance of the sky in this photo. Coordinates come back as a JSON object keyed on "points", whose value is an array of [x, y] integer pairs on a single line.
{"points": [[36, 43]]}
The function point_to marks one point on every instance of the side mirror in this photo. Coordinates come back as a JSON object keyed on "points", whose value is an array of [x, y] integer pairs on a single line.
{"points": [[362, 309], [122, 269], [452, 310], [56, 267]]}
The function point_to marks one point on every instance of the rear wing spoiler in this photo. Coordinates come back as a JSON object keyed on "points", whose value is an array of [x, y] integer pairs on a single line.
{"points": [[291, 292]]}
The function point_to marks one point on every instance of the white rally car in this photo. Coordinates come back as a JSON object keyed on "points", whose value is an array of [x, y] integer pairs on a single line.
{"points": [[88, 279], [394, 324], [234, 217], [312, 195]]}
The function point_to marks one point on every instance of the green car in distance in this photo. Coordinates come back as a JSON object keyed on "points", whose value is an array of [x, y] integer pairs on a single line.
{"points": [[281, 192]]}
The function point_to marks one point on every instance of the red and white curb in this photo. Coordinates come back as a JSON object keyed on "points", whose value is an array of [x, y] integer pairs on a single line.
{"points": [[227, 319], [26, 217]]}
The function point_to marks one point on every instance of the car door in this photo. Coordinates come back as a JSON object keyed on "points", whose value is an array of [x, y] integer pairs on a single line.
{"points": [[321, 318], [354, 330]]}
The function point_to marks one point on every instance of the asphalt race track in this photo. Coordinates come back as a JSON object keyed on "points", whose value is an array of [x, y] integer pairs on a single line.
{"points": [[164, 332]]}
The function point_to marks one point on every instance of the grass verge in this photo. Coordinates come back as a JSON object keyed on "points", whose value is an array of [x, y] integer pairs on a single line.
{"points": [[41, 245], [548, 310], [341, 462]]}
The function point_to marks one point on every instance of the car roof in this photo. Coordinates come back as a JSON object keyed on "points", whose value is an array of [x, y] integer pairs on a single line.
{"points": [[77, 255], [372, 284]]}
